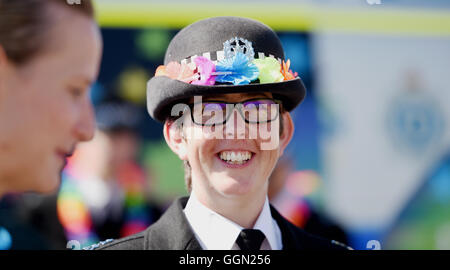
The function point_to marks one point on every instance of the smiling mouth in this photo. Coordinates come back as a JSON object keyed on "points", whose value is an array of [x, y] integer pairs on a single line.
{"points": [[235, 157]]}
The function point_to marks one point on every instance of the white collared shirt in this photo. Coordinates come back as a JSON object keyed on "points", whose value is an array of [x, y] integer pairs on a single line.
{"points": [[216, 232]]}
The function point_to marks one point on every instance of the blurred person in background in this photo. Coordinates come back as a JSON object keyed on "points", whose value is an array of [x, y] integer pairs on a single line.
{"points": [[105, 192], [49, 56], [286, 194]]}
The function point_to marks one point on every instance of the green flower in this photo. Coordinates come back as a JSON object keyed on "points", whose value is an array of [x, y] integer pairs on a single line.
{"points": [[269, 70]]}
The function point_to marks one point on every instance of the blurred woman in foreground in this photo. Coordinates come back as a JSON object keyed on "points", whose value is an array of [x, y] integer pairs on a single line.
{"points": [[49, 56]]}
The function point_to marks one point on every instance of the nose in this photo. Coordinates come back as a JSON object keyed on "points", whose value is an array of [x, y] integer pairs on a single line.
{"points": [[85, 128], [235, 127]]}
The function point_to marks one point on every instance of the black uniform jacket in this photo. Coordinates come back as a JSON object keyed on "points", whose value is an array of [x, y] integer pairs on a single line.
{"points": [[173, 232]]}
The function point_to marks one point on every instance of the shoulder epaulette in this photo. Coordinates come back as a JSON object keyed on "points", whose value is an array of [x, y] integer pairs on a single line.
{"points": [[334, 242], [99, 244]]}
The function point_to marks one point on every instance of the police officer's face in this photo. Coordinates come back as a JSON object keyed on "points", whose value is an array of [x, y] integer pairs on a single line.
{"points": [[223, 167], [45, 107]]}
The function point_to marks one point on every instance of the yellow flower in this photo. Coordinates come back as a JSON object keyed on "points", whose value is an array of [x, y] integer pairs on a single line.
{"points": [[269, 70]]}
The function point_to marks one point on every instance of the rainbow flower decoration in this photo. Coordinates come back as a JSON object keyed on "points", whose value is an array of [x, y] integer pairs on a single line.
{"points": [[287, 73], [206, 69], [236, 70], [182, 72], [269, 70]]}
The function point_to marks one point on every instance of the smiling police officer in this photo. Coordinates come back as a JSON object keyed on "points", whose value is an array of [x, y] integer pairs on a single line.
{"points": [[225, 79]]}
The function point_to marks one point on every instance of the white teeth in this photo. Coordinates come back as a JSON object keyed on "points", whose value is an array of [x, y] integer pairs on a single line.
{"points": [[235, 157]]}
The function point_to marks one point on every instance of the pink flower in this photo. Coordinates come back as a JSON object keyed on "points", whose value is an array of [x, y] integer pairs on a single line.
{"points": [[205, 67]]}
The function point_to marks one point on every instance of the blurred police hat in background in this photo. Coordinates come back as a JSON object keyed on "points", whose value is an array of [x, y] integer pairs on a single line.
{"points": [[117, 115]]}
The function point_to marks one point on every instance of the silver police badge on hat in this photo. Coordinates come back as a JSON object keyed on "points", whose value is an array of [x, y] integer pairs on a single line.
{"points": [[233, 46]]}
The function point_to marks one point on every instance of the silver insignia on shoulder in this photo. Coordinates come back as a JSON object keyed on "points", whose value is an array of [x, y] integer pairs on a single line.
{"points": [[99, 244], [341, 244]]}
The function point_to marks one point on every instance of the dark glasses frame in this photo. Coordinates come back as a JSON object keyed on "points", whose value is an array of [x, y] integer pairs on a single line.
{"points": [[237, 105]]}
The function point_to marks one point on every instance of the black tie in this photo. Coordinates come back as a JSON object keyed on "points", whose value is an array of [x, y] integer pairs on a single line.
{"points": [[250, 239]]}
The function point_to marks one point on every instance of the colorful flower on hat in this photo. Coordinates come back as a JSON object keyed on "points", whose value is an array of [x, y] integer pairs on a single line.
{"points": [[237, 70], [182, 72], [206, 68], [161, 71], [269, 70], [287, 73]]}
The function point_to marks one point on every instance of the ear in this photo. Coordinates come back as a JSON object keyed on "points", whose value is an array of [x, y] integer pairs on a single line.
{"points": [[3, 69], [3, 62], [174, 139], [288, 132]]}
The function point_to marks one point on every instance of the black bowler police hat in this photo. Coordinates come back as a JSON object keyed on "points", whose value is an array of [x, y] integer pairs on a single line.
{"points": [[216, 38]]}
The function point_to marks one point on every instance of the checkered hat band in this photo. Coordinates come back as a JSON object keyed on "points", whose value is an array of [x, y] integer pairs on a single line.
{"points": [[218, 56]]}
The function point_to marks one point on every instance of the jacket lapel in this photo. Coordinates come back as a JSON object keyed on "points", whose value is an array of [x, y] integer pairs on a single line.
{"points": [[172, 231], [289, 233]]}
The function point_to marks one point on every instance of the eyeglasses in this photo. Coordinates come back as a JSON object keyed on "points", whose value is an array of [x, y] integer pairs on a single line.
{"points": [[253, 111]]}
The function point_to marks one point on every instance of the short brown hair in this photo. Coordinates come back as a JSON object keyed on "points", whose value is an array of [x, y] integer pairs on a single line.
{"points": [[24, 23], [187, 166]]}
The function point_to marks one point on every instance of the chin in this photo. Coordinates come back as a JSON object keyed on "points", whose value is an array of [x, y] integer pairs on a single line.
{"points": [[48, 183], [235, 187]]}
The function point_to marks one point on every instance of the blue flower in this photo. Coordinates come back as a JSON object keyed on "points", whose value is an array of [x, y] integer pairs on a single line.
{"points": [[236, 70]]}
